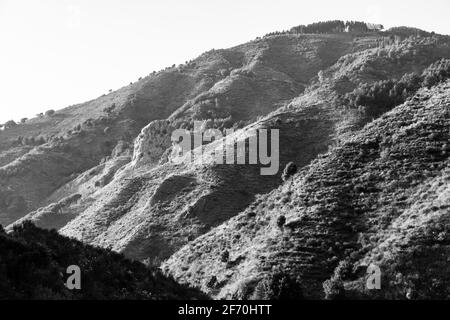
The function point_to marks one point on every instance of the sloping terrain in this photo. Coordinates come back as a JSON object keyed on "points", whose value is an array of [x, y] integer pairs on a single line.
{"points": [[103, 172], [380, 197], [148, 211], [33, 265], [43, 154]]}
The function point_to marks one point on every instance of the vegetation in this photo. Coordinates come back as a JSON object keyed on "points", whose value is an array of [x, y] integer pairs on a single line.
{"points": [[50, 112], [336, 26], [278, 286], [10, 124], [382, 96], [33, 265], [436, 73], [289, 170]]}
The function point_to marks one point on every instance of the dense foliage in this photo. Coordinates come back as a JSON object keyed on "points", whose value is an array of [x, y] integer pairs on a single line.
{"points": [[334, 26], [33, 264], [382, 96]]}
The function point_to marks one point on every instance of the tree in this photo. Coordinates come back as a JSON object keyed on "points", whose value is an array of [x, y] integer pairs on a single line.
{"points": [[50, 112], [10, 124], [281, 220], [278, 286], [289, 170]]}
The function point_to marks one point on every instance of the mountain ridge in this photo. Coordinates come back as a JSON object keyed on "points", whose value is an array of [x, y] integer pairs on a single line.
{"points": [[102, 172]]}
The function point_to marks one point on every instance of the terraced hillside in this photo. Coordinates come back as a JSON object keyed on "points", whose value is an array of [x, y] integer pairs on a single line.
{"points": [[380, 197]]}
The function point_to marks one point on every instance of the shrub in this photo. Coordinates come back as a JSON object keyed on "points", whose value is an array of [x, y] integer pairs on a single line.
{"points": [[225, 256], [251, 214], [212, 282], [281, 221], [110, 108], [278, 286], [289, 170], [23, 120], [344, 270], [50, 112], [29, 141], [10, 124], [333, 289]]}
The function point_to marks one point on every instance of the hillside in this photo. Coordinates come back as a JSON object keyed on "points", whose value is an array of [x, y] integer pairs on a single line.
{"points": [[34, 263], [363, 116], [380, 197], [46, 153]]}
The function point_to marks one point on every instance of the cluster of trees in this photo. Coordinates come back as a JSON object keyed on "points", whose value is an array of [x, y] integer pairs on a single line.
{"points": [[406, 32], [11, 123], [436, 73], [34, 262], [382, 96], [336, 26]]}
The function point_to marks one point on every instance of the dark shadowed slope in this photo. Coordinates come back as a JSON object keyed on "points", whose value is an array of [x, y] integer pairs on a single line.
{"points": [[33, 265]]}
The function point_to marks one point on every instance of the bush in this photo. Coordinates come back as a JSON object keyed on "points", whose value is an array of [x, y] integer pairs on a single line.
{"points": [[50, 112], [278, 286], [333, 289], [225, 256], [289, 171], [281, 221], [10, 124]]}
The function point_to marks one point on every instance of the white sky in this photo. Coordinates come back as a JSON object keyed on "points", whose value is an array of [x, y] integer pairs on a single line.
{"points": [[54, 53]]}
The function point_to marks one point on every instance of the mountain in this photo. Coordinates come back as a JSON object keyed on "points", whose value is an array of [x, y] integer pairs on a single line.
{"points": [[357, 112], [381, 197]]}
